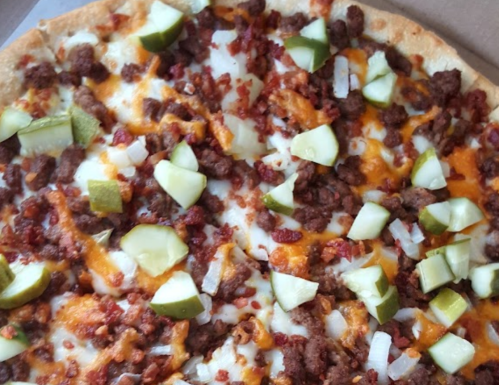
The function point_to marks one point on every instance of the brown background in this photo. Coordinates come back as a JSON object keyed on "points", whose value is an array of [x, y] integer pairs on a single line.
{"points": [[469, 25]]}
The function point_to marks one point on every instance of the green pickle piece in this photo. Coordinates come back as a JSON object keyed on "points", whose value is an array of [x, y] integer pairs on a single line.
{"points": [[30, 282], [11, 347], [46, 135], [308, 54], [85, 126], [178, 297], [6, 274], [384, 308], [105, 196]]}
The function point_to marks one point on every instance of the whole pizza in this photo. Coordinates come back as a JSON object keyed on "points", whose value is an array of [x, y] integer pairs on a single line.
{"points": [[265, 192]]}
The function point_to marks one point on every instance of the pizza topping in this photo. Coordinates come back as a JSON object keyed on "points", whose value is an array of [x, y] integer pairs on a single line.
{"points": [[13, 342], [280, 199], [29, 283], [435, 218], [457, 255], [448, 306], [46, 135], [291, 291], [433, 273], [464, 213], [40, 76], [367, 282], [163, 26], [178, 297], [6, 274], [380, 90], [11, 121], [156, 248], [451, 353], [378, 356], [369, 222], [183, 185], [318, 145], [183, 156], [85, 126], [427, 171], [485, 280], [377, 66], [105, 196]]}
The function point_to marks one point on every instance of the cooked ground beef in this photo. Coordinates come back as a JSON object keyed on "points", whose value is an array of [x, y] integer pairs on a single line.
{"points": [[355, 21], [40, 173], [40, 76]]}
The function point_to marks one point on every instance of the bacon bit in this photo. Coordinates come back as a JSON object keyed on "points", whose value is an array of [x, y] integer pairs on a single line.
{"points": [[117, 19], [255, 305], [30, 177], [177, 71], [341, 248], [493, 138], [222, 376], [122, 136], [68, 344], [286, 236], [280, 339], [240, 302], [8, 332]]}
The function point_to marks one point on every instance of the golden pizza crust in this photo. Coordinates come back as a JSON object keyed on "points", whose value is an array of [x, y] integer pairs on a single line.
{"points": [[11, 81], [407, 36]]}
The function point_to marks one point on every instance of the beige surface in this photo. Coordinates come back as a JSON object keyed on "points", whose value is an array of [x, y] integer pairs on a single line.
{"points": [[467, 25]]}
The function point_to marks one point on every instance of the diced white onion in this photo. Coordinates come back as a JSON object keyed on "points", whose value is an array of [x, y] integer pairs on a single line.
{"points": [[336, 325], [354, 82], [378, 356], [180, 382], [340, 81], [102, 238], [421, 144], [493, 336], [212, 279], [373, 326], [134, 377], [375, 196], [406, 314], [475, 144], [137, 153], [403, 366], [345, 265], [203, 372], [190, 367], [119, 157], [390, 253], [161, 350], [461, 332], [128, 172], [417, 328], [445, 168], [400, 233], [417, 235], [205, 316]]}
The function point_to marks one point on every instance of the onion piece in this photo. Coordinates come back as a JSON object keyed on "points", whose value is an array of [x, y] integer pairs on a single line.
{"points": [[445, 168], [340, 80], [378, 356], [400, 233], [205, 316], [406, 314], [180, 382], [134, 377], [417, 235], [354, 82], [492, 333], [190, 367], [345, 265], [203, 372], [102, 238], [161, 350], [336, 325], [137, 153], [212, 279], [403, 366], [118, 157]]}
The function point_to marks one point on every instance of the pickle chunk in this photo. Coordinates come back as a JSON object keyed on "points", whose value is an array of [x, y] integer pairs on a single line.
{"points": [[105, 196], [46, 135], [178, 297], [13, 342], [30, 282], [6, 274], [85, 126], [155, 248]]}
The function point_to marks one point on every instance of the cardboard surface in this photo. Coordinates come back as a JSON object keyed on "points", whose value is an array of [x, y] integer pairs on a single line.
{"points": [[470, 26]]}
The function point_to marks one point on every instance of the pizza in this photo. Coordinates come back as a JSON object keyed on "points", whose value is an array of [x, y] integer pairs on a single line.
{"points": [[269, 192]]}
